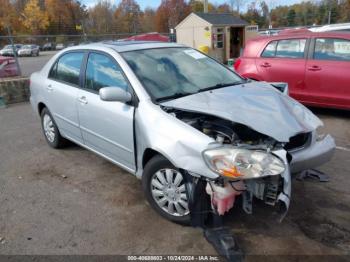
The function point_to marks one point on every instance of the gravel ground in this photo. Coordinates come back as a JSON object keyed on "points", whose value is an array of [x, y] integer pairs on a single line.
{"points": [[73, 202]]}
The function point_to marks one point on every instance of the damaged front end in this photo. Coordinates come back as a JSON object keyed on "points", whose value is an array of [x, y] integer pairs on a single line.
{"points": [[248, 164]]}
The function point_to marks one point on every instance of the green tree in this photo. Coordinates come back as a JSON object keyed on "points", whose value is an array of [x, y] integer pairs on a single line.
{"points": [[291, 17]]}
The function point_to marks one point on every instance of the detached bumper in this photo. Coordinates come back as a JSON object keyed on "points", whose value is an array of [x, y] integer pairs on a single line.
{"points": [[318, 153]]}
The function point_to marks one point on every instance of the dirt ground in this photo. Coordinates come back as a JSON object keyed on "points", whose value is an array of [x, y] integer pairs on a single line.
{"points": [[73, 202]]}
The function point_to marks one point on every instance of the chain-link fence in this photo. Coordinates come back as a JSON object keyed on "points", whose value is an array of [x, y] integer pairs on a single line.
{"points": [[42, 47], [21, 55]]}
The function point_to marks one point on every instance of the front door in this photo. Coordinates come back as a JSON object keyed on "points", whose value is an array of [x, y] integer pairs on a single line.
{"points": [[327, 73], [61, 90], [107, 127]]}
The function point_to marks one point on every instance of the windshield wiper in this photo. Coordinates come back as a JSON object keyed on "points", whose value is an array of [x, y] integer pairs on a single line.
{"points": [[220, 85], [173, 96]]}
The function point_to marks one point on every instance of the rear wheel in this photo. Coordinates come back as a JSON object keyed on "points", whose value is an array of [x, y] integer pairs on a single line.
{"points": [[165, 190], [50, 130]]}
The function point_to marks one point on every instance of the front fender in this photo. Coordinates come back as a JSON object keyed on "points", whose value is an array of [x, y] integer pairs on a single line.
{"points": [[180, 143]]}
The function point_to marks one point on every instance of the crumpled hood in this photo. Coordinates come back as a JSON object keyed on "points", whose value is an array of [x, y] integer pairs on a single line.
{"points": [[257, 105]]}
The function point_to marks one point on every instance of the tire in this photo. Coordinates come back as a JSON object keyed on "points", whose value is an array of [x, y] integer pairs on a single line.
{"points": [[50, 130], [172, 195]]}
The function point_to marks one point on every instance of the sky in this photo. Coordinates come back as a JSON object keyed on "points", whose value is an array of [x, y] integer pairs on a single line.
{"points": [[155, 3]]}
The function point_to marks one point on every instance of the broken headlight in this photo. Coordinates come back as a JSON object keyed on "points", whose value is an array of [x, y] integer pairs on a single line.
{"points": [[237, 163]]}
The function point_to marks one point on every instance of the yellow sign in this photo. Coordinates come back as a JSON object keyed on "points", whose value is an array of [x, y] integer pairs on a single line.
{"points": [[204, 49], [207, 35], [78, 27]]}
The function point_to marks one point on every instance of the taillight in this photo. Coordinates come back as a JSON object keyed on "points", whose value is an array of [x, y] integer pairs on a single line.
{"points": [[237, 63]]}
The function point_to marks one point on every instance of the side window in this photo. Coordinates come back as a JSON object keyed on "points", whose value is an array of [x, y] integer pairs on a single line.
{"points": [[219, 38], [291, 48], [102, 71], [67, 68], [53, 71], [332, 49], [270, 50]]}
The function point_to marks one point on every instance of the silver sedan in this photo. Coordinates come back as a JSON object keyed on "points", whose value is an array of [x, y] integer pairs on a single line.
{"points": [[29, 50], [195, 132]]}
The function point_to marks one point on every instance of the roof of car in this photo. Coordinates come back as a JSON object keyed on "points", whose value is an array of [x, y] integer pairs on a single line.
{"points": [[124, 46], [303, 33]]}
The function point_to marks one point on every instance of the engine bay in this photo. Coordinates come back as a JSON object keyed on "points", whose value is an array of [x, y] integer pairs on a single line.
{"points": [[225, 131], [224, 191]]}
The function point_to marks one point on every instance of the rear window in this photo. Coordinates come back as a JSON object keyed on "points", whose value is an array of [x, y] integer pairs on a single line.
{"points": [[289, 48], [293, 48], [332, 49]]}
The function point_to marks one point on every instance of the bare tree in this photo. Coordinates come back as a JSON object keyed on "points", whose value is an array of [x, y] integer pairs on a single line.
{"points": [[236, 5]]}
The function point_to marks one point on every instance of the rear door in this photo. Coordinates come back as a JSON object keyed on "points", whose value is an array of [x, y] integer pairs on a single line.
{"points": [[328, 72], [107, 127], [61, 90], [284, 61]]}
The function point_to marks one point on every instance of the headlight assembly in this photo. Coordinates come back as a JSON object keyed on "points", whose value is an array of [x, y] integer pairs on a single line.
{"points": [[236, 163], [320, 133]]}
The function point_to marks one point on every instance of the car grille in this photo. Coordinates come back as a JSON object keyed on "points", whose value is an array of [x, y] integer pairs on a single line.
{"points": [[297, 141]]}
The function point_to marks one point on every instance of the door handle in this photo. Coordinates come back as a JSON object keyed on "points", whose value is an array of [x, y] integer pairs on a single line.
{"points": [[49, 88], [265, 64], [314, 68], [83, 100]]}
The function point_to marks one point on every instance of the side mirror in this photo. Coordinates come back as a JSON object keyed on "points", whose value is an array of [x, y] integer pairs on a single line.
{"points": [[115, 94]]}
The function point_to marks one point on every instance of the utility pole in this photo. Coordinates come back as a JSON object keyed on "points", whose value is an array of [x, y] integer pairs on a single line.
{"points": [[205, 5], [83, 30], [13, 49], [329, 17]]}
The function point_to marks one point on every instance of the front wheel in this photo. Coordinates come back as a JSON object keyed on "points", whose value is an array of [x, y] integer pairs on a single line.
{"points": [[165, 190], [50, 130]]}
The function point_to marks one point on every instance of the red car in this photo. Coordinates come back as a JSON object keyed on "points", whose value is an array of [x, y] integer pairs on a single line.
{"points": [[8, 67], [316, 66], [149, 37]]}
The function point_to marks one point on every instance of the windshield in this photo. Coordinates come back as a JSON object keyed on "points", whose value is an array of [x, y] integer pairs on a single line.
{"points": [[26, 47], [7, 46], [169, 73]]}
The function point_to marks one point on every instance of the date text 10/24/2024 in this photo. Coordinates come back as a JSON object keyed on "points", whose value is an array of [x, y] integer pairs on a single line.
{"points": [[173, 258]]}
